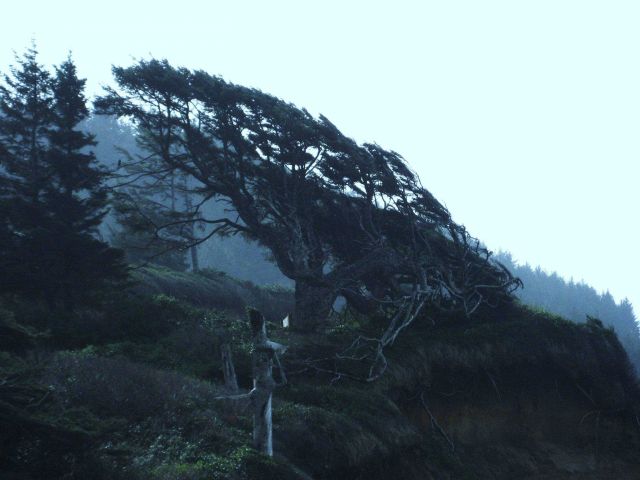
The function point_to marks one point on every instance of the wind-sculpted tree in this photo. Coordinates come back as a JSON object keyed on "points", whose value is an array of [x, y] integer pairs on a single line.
{"points": [[340, 219]]}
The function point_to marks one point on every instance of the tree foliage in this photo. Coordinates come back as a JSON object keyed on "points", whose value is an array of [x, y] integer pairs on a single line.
{"points": [[141, 205], [340, 219], [52, 195]]}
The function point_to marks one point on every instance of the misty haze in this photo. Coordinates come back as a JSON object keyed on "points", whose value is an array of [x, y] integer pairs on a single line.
{"points": [[283, 240]]}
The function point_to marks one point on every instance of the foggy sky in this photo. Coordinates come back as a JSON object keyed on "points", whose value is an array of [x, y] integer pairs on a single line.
{"points": [[522, 117]]}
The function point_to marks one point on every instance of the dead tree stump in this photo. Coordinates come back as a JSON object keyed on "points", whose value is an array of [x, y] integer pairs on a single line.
{"points": [[265, 353], [228, 370]]}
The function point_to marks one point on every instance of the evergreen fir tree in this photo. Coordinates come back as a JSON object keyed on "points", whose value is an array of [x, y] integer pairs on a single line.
{"points": [[76, 196], [53, 198], [138, 214], [154, 211], [26, 107]]}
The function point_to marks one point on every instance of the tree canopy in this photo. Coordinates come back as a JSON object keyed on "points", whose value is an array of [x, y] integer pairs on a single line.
{"points": [[340, 219], [52, 195]]}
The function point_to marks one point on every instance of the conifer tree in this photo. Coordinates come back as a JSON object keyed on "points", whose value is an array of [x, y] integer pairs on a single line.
{"points": [[26, 106], [76, 197], [152, 197], [53, 196], [138, 214], [340, 219]]}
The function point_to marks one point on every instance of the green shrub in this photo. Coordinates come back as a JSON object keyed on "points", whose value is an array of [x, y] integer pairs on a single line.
{"points": [[211, 289], [117, 387]]}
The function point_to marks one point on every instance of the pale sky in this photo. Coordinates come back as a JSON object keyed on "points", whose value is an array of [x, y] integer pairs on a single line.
{"points": [[523, 117]]}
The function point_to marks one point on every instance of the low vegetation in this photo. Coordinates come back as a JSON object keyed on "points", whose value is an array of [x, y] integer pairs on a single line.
{"points": [[144, 403]]}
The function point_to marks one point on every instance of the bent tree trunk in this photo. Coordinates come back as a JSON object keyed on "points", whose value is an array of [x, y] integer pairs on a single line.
{"points": [[312, 306], [195, 264], [264, 353]]}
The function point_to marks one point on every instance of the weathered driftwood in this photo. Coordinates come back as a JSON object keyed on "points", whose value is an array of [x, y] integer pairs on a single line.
{"points": [[228, 370], [265, 352]]}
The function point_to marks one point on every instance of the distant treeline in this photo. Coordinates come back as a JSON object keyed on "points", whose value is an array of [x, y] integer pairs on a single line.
{"points": [[575, 301]]}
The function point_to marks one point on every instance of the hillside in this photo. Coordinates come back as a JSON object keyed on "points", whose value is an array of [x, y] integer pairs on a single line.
{"points": [[576, 301], [130, 392]]}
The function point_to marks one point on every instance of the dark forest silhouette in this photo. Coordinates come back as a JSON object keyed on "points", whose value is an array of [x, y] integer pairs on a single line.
{"points": [[575, 301]]}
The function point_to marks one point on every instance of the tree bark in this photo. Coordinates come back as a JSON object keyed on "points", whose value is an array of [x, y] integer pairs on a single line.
{"points": [[228, 370], [312, 307], [264, 352], [262, 423], [195, 264], [193, 249]]}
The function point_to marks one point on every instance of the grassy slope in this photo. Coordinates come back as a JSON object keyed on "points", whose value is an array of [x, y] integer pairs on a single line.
{"points": [[513, 394]]}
